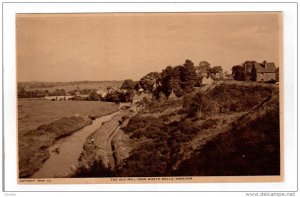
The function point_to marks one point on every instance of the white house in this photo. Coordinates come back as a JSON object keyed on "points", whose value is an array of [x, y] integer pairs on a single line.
{"points": [[101, 92], [207, 80]]}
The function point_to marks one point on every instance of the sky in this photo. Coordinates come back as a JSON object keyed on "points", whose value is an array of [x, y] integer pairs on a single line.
{"points": [[118, 46]]}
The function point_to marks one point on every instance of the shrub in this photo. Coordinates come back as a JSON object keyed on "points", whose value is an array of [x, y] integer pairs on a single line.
{"points": [[148, 127], [226, 98], [63, 126], [97, 169], [251, 147]]}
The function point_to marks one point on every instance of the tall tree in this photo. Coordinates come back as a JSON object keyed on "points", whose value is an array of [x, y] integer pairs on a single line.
{"points": [[128, 84], [203, 69], [176, 82], [188, 76], [167, 78], [249, 67], [238, 73], [150, 81], [216, 69]]}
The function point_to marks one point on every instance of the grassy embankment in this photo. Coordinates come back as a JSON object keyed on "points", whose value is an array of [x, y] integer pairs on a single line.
{"points": [[41, 123], [229, 128]]}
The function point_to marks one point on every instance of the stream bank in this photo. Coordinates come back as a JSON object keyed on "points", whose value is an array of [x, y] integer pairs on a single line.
{"points": [[64, 152], [98, 146]]}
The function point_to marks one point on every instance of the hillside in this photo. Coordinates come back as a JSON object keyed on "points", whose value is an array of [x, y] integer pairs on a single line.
{"points": [[225, 128], [251, 146], [228, 128]]}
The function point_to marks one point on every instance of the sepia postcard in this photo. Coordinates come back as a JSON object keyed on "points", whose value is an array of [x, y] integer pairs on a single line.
{"points": [[149, 97]]}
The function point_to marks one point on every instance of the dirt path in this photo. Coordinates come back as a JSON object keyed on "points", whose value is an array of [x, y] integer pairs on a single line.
{"points": [[99, 144], [109, 149]]}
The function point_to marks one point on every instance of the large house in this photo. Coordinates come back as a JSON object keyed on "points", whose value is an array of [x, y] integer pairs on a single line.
{"points": [[265, 71]]}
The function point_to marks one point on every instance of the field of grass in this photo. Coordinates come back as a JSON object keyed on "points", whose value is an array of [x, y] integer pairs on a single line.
{"points": [[41, 122], [35, 112]]}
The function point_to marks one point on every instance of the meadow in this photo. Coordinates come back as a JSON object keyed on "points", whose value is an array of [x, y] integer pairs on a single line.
{"points": [[35, 112]]}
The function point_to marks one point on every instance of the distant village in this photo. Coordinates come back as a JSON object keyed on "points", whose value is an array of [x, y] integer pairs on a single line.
{"points": [[171, 82]]}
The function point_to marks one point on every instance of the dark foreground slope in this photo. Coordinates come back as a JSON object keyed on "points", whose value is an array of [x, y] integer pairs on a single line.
{"points": [[251, 147]]}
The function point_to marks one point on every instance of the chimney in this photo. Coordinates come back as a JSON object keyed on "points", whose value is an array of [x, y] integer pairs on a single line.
{"points": [[264, 62]]}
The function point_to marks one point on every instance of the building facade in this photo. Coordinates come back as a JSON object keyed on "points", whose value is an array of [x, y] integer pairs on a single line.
{"points": [[265, 71]]}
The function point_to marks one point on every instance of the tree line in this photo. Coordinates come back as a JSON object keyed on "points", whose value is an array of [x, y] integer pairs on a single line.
{"points": [[180, 80], [244, 72], [247, 71]]}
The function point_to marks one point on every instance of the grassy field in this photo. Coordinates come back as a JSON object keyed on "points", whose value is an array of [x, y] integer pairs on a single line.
{"points": [[34, 112], [41, 122]]}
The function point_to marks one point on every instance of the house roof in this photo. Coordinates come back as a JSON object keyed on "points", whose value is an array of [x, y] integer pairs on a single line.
{"points": [[268, 67], [172, 95]]}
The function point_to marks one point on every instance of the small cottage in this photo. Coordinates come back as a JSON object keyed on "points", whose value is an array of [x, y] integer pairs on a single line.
{"points": [[101, 92], [265, 71], [207, 80]]}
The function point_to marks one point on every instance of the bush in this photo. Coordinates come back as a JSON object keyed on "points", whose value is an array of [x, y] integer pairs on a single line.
{"points": [[97, 169], [147, 127], [118, 97], [251, 147], [226, 98]]}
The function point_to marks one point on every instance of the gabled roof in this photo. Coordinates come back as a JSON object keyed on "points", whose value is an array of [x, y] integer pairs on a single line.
{"points": [[172, 95], [268, 67]]}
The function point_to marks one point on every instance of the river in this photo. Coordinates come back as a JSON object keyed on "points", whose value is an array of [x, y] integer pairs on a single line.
{"points": [[69, 150]]}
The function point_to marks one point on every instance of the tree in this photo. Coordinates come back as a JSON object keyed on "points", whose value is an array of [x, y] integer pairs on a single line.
{"points": [[128, 84], [250, 72], [203, 67], [253, 76], [137, 86], [167, 76], [150, 81], [238, 73], [188, 76], [216, 69], [58, 92], [97, 169], [176, 81], [94, 96]]}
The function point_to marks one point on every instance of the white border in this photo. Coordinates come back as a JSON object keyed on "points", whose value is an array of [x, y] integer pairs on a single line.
{"points": [[290, 75]]}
